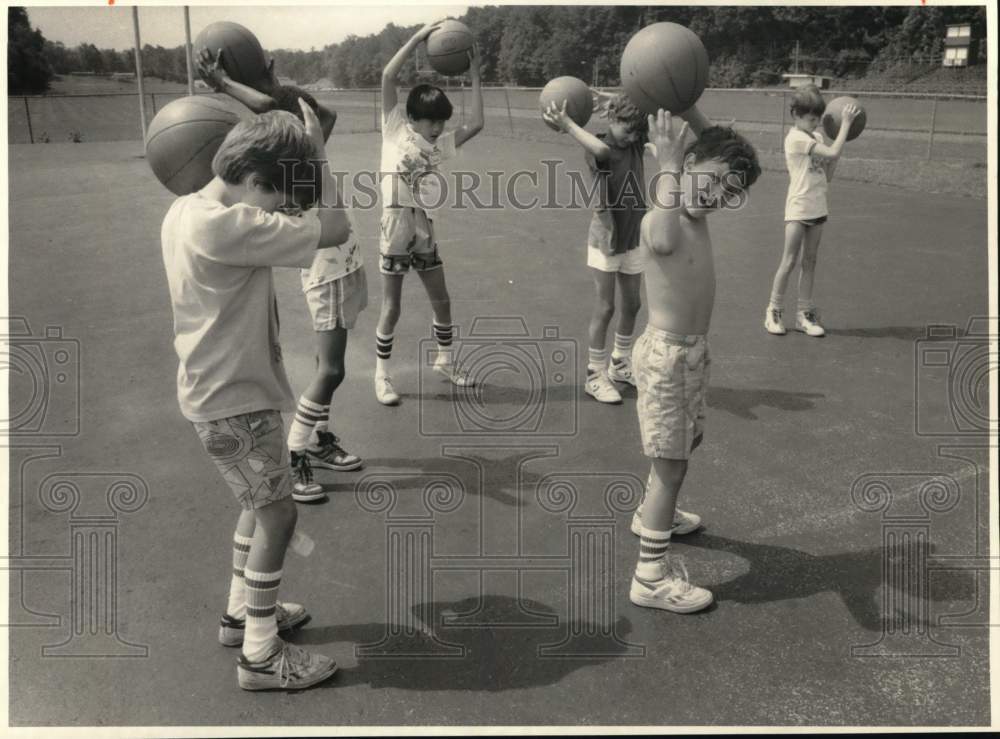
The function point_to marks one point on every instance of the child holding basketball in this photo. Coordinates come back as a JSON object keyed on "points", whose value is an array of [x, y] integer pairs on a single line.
{"points": [[414, 144], [671, 359], [615, 160], [811, 163], [336, 292], [219, 247]]}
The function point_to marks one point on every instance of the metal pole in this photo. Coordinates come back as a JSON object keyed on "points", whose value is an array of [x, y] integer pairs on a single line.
{"points": [[27, 112], [187, 49], [138, 73], [781, 133], [510, 118], [375, 110], [930, 139], [463, 100], [152, 99]]}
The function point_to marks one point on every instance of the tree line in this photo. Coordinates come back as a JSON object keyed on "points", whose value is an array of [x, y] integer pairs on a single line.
{"points": [[528, 45]]}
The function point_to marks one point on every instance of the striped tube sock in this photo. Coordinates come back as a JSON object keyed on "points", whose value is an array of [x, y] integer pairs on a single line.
{"points": [[653, 548], [443, 334], [623, 346], [237, 607], [777, 300], [383, 350], [806, 305], [308, 414], [597, 360], [262, 625]]}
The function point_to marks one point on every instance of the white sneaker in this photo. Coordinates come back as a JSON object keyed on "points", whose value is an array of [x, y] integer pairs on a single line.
{"points": [[620, 370], [808, 321], [773, 322], [599, 387], [457, 375], [671, 591], [384, 391], [304, 490], [684, 522]]}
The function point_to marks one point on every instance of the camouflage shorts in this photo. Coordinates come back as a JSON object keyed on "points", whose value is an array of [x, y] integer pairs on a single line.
{"points": [[251, 453]]}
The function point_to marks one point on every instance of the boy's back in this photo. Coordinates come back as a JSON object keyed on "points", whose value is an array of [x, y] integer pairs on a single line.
{"points": [[218, 261]]}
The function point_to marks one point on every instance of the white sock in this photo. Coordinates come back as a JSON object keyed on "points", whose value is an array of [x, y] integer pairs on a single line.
{"points": [[237, 605], [261, 625], [653, 548]]}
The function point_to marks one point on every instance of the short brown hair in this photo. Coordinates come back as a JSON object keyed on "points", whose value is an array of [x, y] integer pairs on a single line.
{"points": [[725, 144], [275, 148], [808, 100]]}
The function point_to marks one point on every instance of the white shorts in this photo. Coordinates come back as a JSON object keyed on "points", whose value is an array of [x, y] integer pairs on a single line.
{"points": [[632, 262], [337, 304]]}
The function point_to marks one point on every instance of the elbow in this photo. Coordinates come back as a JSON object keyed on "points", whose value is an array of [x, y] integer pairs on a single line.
{"points": [[603, 152]]}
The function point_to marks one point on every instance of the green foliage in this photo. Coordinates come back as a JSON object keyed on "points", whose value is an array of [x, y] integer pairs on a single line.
{"points": [[28, 71], [529, 45]]}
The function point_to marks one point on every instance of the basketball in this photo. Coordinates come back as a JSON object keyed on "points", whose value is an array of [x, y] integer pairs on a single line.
{"points": [[576, 94], [183, 138], [242, 55], [448, 48], [831, 118], [664, 65]]}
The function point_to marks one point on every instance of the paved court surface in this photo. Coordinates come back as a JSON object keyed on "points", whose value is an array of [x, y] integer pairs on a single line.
{"points": [[505, 512]]}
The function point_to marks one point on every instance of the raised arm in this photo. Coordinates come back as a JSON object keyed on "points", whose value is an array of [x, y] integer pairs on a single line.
{"points": [[211, 70], [662, 224], [391, 71], [335, 227], [697, 120], [833, 151], [475, 124], [558, 117]]}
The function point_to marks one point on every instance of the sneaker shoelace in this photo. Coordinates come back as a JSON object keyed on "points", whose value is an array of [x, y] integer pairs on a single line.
{"points": [[776, 314], [302, 469], [678, 574], [812, 316], [329, 440]]}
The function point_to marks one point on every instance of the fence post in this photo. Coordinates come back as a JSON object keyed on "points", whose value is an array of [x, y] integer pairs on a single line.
{"points": [[27, 112], [781, 133], [463, 100], [510, 118], [930, 138], [152, 98], [374, 110]]}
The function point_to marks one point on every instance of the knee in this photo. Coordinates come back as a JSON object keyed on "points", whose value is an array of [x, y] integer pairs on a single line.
{"points": [[278, 519], [604, 310], [331, 374]]}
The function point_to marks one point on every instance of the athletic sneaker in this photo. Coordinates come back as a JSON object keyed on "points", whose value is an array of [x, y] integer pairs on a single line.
{"points": [[684, 522], [773, 322], [288, 615], [384, 391], [808, 321], [453, 372], [671, 591], [331, 455], [599, 387], [304, 490], [288, 667], [620, 370]]}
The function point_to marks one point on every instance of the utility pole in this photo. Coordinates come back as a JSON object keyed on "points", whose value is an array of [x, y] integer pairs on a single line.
{"points": [[796, 57]]}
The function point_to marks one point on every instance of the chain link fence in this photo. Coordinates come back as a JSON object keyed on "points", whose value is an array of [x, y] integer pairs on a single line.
{"points": [[901, 126]]}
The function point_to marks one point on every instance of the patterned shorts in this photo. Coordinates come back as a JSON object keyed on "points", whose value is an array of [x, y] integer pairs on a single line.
{"points": [[251, 454], [671, 373], [337, 304], [407, 238]]}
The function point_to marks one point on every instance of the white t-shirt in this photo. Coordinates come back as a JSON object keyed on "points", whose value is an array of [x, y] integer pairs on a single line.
{"points": [[333, 262], [218, 261], [807, 176], [407, 159]]}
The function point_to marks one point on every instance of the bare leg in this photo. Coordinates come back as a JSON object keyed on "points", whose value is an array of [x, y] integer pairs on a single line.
{"points": [[665, 479], [810, 250], [392, 290], [437, 292], [631, 302], [331, 347], [604, 307], [794, 232]]}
